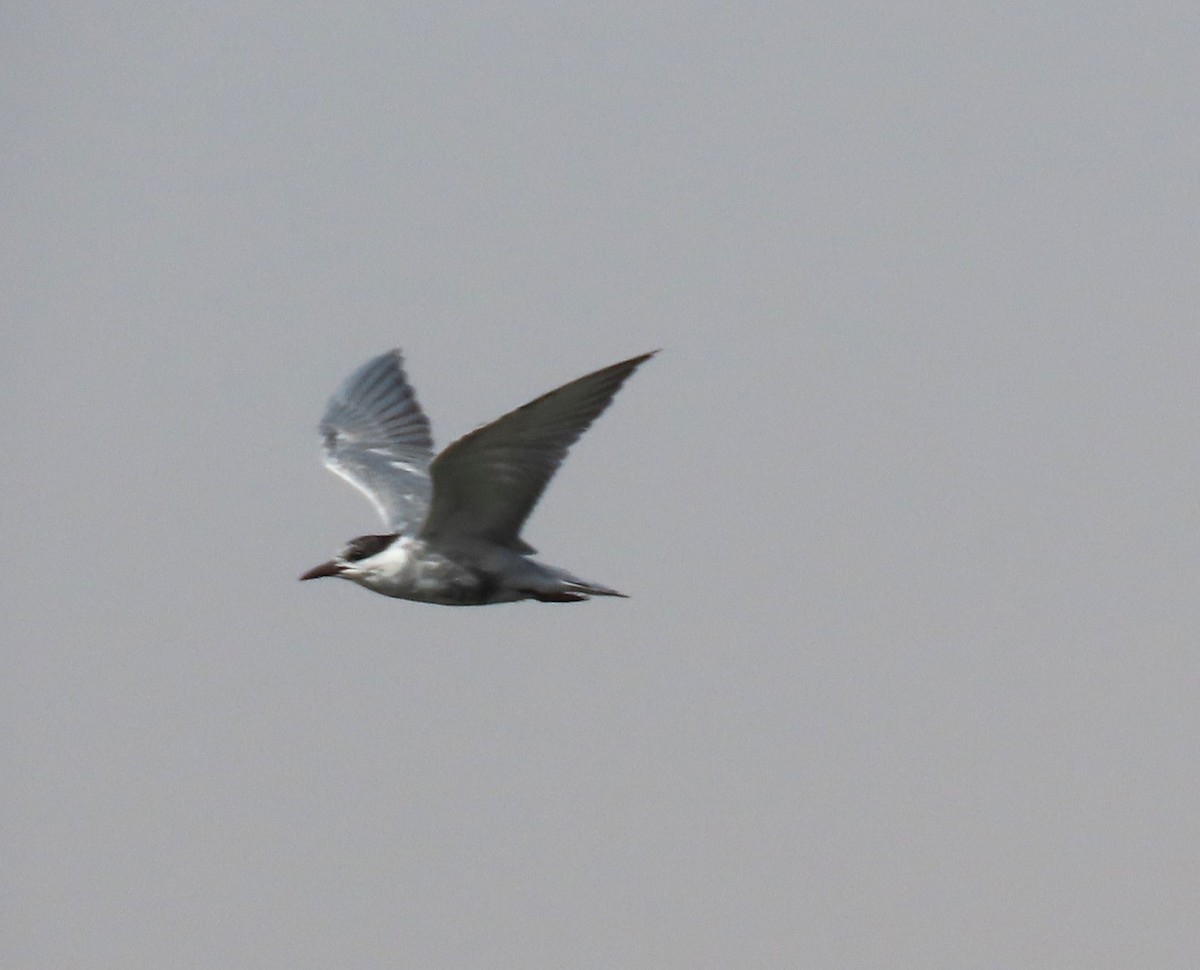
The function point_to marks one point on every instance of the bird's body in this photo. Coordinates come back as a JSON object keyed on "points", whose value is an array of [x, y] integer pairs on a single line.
{"points": [[455, 520]]}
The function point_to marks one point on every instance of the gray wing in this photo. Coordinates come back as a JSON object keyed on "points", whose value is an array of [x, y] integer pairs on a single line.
{"points": [[486, 483], [377, 438]]}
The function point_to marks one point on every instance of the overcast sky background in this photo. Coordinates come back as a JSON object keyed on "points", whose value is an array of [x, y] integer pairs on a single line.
{"points": [[907, 506]]}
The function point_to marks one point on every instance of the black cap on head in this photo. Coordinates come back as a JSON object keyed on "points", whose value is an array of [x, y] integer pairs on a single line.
{"points": [[364, 547]]}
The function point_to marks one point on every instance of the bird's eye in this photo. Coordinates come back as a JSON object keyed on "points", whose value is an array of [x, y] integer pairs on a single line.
{"points": [[366, 546]]}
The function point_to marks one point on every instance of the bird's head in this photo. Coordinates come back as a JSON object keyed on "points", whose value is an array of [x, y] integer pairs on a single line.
{"points": [[346, 564]]}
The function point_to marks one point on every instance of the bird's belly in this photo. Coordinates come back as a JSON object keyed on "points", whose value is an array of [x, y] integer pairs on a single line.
{"points": [[439, 579]]}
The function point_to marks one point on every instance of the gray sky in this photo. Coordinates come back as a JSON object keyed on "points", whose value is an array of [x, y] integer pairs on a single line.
{"points": [[907, 505]]}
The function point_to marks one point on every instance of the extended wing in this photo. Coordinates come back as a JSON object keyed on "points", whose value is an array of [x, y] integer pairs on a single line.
{"points": [[486, 483], [377, 438]]}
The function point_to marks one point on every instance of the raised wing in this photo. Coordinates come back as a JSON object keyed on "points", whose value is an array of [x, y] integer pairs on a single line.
{"points": [[486, 483], [377, 438]]}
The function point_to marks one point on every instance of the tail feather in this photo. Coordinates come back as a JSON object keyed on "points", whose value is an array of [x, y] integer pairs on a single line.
{"points": [[572, 589], [556, 597], [594, 589]]}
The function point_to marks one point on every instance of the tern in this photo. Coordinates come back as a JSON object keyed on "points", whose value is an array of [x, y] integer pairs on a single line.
{"points": [[454, 522]]}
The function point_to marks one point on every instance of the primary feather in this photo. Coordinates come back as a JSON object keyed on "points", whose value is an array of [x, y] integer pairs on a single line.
{"points": [[486, 483], [377, 438]]}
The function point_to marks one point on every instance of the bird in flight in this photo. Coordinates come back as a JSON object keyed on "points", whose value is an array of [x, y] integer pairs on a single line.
{"points": [[454, 521]]}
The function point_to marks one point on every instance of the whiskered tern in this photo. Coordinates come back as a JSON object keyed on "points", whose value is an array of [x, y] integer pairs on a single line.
{"points": [[455, 521]]}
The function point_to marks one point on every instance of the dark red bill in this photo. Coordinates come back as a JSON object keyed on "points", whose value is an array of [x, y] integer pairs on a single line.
{"points": [[331, 568]]}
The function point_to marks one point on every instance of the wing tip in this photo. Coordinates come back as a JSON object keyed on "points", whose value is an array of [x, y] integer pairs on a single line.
{"points": [[640, 358], [627, 367]]}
